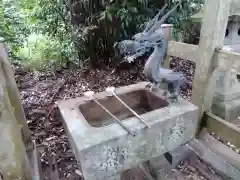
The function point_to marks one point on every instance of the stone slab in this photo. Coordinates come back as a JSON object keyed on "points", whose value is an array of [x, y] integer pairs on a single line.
{"points": [[178, 154], [230, 156], [215, 159], [163, 165], [106, 151], [228, 110], [159, 164]]}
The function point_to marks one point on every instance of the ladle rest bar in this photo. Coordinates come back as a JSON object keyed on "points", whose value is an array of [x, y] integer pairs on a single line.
{"points": [[90, 94], [112, 91]]}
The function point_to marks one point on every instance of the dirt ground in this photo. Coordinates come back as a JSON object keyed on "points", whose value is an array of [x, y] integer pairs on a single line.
{"points": [[39, 92]]}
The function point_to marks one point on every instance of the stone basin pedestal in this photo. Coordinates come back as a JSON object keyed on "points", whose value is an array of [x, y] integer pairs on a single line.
{"points": [[104, 149]]}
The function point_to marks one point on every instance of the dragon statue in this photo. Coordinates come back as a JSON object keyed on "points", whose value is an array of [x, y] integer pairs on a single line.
{"points": [[142, 43]]}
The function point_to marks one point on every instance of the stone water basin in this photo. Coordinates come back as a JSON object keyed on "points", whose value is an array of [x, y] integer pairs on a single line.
{"points": [[104, 149]]}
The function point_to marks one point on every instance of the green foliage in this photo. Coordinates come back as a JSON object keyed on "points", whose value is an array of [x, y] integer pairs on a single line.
{"points": [[39, 50], [4, 31], [182, 22], [15, 29], [24, 19], [38, 31], [108, 23], [51, 18]]}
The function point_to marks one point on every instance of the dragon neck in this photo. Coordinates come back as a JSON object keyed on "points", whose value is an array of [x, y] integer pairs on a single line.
{"points": [[153, 64]]}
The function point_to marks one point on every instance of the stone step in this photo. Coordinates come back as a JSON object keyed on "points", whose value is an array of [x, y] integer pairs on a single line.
{"points": [[204, 158], [222, 158]]}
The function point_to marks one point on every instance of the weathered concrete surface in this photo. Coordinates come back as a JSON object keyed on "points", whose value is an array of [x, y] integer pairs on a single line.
{"points": [[228, 110], [14, 95], [169, 160], [14, 163], [106, 151], [178, 154], [159, 166], [230, 156], [212, 156], [14, 132], [200, 153], [227, 86], [226, 103], [164, 164]]}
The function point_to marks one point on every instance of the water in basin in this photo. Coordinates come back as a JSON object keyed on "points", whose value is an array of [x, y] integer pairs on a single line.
{"points": [[141, 101]]}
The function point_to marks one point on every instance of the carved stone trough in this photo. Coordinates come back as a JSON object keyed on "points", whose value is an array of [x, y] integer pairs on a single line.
{"points": [[104, 149]]}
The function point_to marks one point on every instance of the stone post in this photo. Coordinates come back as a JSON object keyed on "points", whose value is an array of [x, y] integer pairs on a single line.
{"points": [[18, 154], [14, 96], [167, 29], [14, 162]]}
